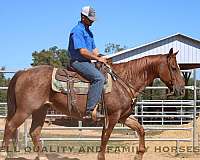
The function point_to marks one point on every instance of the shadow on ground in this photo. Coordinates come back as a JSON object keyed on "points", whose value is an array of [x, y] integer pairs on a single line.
{"points": [[52, 156]]}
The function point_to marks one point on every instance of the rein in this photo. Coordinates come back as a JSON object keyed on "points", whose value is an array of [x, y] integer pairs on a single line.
{"points": [[129, 85], [115, 76]]}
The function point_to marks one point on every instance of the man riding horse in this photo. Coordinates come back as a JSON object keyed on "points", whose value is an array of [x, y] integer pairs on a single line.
{"points": [[82, 50], [30, 93]]}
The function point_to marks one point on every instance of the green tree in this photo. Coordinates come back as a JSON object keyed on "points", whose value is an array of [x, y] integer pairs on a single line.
{"points": [[113, 48], [53, 56]]}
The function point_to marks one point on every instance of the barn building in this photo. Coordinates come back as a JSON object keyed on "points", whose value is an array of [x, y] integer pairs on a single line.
{"points": [[187, 58]]}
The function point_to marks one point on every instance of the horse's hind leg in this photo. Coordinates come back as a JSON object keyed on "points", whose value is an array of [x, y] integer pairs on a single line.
{"points": [[12, 125], [135, 125], [38, 118]]}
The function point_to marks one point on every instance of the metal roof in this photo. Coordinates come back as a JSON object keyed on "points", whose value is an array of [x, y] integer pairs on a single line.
{"points": [[176, 36]]}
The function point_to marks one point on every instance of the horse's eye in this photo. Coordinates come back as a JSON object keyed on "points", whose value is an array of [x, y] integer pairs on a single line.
{"points": [[173, 65], [174, 68]]}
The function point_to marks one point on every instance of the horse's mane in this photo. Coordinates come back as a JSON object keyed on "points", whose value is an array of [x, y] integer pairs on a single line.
{"points": [[139, 70]]}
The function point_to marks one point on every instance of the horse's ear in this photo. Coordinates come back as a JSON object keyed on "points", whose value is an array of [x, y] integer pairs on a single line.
{"points": [[171, 51], [176, 53]]}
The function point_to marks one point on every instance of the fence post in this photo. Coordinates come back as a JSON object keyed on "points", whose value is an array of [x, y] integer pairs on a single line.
{"points": [[162, 121], [194, 143], [80, 124], [181, 112], [25, 134], [142, 113]]}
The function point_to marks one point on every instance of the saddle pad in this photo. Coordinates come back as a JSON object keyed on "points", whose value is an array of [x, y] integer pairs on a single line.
{"points": [[78, 87]]}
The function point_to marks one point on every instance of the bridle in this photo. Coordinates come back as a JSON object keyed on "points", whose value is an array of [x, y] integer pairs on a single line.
{"points": [[171, 76]]}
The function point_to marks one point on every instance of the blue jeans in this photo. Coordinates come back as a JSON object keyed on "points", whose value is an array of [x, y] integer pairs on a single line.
{"points": [[96, 78]]}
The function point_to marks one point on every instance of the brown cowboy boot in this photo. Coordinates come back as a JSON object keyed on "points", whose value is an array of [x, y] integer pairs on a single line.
{"points": [[88, 115], [96, 115]]}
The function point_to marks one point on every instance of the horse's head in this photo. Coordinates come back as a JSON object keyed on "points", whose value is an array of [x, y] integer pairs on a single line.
{"points": [[170, 74]]}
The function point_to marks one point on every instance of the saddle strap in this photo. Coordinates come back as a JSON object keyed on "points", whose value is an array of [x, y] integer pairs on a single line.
{"points": [[105, 111], [69, 97], [71, 102]]}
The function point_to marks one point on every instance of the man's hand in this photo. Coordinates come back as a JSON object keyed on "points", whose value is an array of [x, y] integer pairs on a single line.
{"points": [[85, 53], [102, 59], [96, 52]]}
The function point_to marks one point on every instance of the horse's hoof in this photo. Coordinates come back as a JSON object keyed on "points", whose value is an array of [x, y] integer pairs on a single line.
{"points": [[41, 158], [3, 154], [101, 157], [138, 157], [9, 155]]}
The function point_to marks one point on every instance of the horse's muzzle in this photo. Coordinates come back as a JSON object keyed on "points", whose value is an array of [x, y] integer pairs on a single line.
{"points": [[177, 91]]}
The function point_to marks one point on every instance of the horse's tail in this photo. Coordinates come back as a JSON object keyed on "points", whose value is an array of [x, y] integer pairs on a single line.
{"points": [[11, 98]]}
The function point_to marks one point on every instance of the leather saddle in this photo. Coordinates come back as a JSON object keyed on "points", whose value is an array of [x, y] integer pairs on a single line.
{"points": [[70, 77], [69, 74]]}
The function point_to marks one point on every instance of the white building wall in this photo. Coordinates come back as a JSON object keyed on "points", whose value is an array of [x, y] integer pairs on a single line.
{"points": [[188, 53]]}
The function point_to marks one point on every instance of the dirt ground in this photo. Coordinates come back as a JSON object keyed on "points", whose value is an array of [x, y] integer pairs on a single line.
{"points": [[150, 155], [156, 150]]}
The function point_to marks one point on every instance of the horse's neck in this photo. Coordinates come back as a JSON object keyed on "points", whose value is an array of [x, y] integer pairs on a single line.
{"points": [[139, 76]]}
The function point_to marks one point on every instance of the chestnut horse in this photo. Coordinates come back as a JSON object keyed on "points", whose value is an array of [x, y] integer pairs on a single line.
{"points": [[30, 93]]}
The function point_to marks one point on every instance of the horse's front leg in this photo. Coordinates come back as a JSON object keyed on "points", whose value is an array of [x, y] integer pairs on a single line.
{"points": [[136, 126], [106, 132]]}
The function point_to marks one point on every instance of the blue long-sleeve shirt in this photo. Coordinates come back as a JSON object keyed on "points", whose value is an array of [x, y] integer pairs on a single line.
{"points": [[80, 37]]}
